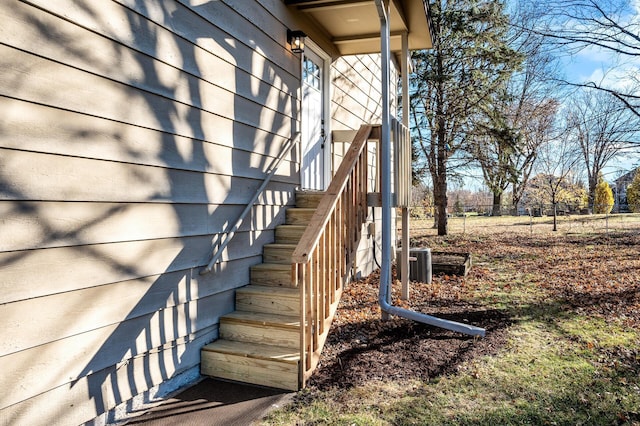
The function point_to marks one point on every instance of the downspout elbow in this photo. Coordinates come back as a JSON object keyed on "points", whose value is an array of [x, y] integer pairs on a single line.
{"points": [[428, 319]]}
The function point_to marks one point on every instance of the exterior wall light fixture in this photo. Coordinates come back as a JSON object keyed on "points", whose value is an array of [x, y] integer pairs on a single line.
{"points": [[296, 40]]}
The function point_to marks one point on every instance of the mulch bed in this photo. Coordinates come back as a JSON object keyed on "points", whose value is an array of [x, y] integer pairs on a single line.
{"points": [[362, 347]]}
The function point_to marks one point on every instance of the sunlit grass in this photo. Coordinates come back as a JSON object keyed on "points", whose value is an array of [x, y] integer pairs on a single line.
{"points": [[523, 225], [595, 332], [541, 377]]}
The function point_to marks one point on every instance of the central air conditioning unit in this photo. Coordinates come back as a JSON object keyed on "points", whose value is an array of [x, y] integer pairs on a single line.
{"points": [[419, 264]]}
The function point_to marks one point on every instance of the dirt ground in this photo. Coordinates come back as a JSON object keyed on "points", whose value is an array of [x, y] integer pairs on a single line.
{"points": [[363, 347], [597, 276]]}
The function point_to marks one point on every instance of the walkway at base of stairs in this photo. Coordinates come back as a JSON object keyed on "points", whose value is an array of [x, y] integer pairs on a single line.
{"points": [[215, 402]]}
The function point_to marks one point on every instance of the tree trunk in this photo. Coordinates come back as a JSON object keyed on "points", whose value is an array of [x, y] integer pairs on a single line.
{"points": [[440, 195], [497, 202], [440, 157], [515, 200], [593, 182]]}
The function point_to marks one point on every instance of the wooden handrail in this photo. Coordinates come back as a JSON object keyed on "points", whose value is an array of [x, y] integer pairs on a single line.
{"points": [[321, 262], [271, 171]]}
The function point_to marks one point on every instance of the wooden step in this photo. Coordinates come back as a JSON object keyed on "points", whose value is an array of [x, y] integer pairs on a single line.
{"points": [[272, 274], [278, 253], [263, 365], [289, 234], [308, 199], [298, 216], [264, 329], [268, 300]]}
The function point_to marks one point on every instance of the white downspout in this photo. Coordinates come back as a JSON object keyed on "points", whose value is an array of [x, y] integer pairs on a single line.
{"points": [[404, 257], [384, 297]]}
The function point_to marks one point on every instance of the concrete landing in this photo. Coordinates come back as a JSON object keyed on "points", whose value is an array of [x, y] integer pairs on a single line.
{"points": [[214, 402]]}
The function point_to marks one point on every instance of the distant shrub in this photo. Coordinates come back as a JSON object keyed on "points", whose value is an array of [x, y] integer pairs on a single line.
{"points": [[603, 202]]}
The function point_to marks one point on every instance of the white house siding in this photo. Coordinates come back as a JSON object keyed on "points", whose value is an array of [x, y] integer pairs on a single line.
{"points": [[356, 100], [131, 134]]}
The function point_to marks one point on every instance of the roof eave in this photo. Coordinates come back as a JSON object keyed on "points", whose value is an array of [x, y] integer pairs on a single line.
{"points": [[354, 28]]}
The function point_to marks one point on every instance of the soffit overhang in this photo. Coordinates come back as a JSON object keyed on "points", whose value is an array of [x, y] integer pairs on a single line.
{"points": [[353, 26]]}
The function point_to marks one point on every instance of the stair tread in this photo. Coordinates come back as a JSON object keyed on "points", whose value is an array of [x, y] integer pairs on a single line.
{"points": [[263, 289], [272, 266], [254, 350], [300, 215], [281, 245], [310, 192], [285, 321], [279, 253], [309, 198]]}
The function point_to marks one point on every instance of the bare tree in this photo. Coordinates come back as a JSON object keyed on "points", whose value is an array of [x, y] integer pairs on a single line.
{"points": [[521, 117], [608, 25], [538, 122], [494, 147], [602, 130], [558, 161]]}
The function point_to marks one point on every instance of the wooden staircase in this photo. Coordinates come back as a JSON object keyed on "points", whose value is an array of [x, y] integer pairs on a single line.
{"points": [[282, 319], [259, 342]]}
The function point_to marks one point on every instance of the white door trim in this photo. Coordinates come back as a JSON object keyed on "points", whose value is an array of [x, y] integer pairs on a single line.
{"points": [[326, 101]]}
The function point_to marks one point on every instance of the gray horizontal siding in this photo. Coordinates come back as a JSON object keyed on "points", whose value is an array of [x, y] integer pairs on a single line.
{"points": [[166, 35], [30, 225], [91, 310], [200, 114], [133, 134], [68, 404], [357, 97], [65, 269], [41, 176], [65, 361], [50, 130]]}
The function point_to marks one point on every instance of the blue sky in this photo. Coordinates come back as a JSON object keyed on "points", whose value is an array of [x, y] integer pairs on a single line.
{"points": [[593, 64], [601, 67], [596, 65]]}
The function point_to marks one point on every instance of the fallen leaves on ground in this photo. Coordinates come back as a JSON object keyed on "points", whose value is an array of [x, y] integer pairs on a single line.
{"points": [[596, 276]]}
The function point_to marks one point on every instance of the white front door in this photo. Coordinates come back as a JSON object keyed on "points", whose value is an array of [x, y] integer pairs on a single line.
{"points": [[312, 169]]}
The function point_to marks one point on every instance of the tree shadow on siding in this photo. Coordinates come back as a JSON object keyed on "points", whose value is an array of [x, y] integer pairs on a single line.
{"points": [[144, 350], [163, 332], [348, 92], [197, 324]]}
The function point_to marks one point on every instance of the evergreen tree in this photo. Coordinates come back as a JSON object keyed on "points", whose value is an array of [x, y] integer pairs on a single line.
{"points": [[633, 194], [457, 79]]}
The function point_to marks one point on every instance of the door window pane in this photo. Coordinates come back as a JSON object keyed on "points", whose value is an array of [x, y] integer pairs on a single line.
{"points": [[311, 73]]}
